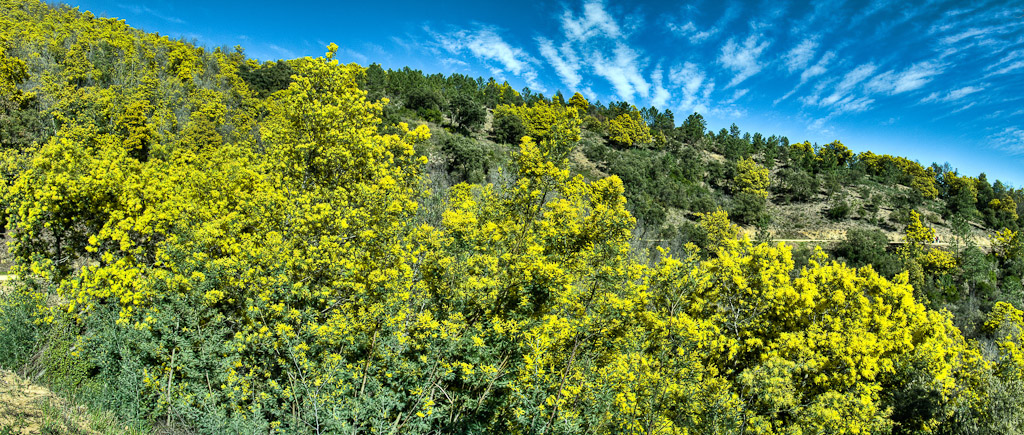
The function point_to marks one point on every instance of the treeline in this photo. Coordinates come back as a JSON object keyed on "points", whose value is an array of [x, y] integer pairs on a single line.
{"points": [[206, 244]]}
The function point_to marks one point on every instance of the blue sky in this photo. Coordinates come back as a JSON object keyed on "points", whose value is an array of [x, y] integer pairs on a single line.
{"points": [[936, 81]]}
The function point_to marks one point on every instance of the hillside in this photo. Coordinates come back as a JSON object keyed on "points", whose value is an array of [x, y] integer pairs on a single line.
{"points": [[200, 243]]}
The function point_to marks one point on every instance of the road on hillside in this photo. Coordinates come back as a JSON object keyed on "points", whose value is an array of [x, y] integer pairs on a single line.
{"points": [[843, 240]]}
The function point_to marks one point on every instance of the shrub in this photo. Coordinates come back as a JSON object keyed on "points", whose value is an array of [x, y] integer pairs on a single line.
{"points": [[796, 185], [20, 336], [839, 209], [468, 160], [867, 247], [749, 208], [507, 127]]}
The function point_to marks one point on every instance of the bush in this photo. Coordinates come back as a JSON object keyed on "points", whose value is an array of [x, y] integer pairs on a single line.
{"points": [[19, 334], [796, 185], [864, 247], [467, 160], [268, 78], [507, 128], [430, 115], [749, 208], [839, 209], [466, 114]]}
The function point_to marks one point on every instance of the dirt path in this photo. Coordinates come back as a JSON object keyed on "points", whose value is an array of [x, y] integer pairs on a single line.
{"points": [[21, 404], [839, 240], [28, 408]]}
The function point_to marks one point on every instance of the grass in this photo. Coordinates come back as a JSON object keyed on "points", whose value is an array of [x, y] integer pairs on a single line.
{"points": [[29, 408]]}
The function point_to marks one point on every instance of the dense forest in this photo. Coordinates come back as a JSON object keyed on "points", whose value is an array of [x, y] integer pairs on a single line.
{"points": [[202, 243]]}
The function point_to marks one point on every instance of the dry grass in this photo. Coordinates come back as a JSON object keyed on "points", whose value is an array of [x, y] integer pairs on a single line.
{"points": [[20, 404], [28, 408]]}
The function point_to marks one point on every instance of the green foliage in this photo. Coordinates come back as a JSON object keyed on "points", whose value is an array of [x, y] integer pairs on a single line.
{"points": [[465, 113], [839, 208], [267, 78], [795, 185], [749, 208], [19, 334], [507, 127], [833, 156], [655, 180], [864, 247], [467, 160]]}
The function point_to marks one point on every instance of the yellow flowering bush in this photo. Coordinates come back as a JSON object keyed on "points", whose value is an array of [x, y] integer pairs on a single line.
{"points": [[752, 178]]}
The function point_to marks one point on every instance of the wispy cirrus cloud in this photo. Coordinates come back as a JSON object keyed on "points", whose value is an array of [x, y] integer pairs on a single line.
{"points": [[694, 34], [143, 10], [564, 60], [604, 51], [595, 21], [690, 31], [1008, 68], [1012, 61], [843, 97], [800, 56], [953, 95], [695, 87], [622, 70], [813, 71], [743, 60], [1010, 139], [914, 77], [818, 68], [487, 45], [660, 94], [736, 96]]}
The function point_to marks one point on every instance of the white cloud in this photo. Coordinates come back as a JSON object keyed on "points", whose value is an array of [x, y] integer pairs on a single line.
{"points": [[1011, 139], [1008, 68], [486, 44], [800, 56], [912, 78], [690, 32], [850, 80], [281, 51], [843, 99], [589, 93], [736, 96], [594, 22], [743, 60], [851, 104], [875, 6], [622, 71], [565, 63], [696, 35], [696, 91], [968, 106], [450, 61], [661, 95], [143, 10], [969, 33], [953, 95], [818, 68], [815, 70]]}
